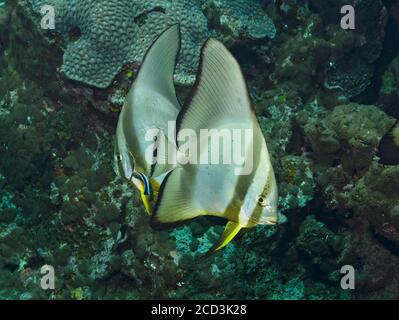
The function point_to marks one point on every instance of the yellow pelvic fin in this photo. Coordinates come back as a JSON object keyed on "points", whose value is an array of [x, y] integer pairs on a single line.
{"points": [[144, 198], [147, 203], [230, 231], [149, 200]]}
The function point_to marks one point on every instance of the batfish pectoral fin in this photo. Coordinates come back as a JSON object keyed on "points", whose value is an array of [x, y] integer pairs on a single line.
{"points": [[177, 201], [230, 231], [174, 205]]}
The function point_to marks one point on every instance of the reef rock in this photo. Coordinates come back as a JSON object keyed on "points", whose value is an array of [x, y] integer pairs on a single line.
{"points": [[101, 35], [343, 145], [353, 73], [376, 198]]}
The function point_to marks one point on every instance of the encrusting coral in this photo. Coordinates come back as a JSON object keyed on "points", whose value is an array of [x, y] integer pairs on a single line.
{"points": [[352, 73]]}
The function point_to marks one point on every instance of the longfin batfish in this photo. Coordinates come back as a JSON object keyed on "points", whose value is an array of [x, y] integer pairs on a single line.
{"points": [[150, 104], [388, 149], [220, 101]]}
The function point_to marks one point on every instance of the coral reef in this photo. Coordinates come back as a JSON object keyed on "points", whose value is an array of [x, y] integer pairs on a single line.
{"points": [[351, 76], [240, 19], [102, 36], [324, 98], [376, 199], [346, 137], [352, 73], [113, 33]]}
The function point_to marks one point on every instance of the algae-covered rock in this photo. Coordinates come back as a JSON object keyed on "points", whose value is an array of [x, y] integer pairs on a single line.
{"points": [[342, 144], [240, 18], [376, 199], [352, 73], [296, 182], [322, 250], [348, 136]]}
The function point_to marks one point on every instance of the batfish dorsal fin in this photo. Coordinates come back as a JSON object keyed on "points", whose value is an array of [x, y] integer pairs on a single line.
{"points": [[220, 96], [156, 72]]}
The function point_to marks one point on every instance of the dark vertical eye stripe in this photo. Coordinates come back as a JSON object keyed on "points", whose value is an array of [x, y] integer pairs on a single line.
{"points": [[155, 152], [147, 186]]}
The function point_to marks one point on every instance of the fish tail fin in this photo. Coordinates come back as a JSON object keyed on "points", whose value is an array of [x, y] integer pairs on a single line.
{"points": [[230, 231], [388, 149]]}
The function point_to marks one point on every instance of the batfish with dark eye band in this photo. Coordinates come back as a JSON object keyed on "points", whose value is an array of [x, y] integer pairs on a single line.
{"points": [[220, 101], [151, 103]]}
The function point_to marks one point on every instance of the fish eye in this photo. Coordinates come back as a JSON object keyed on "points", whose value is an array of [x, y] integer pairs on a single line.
{"points": [[261, 201], [119, 157]]}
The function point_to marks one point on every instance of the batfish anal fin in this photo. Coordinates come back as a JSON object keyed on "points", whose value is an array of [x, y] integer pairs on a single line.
{"points": [[230, 231]]}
